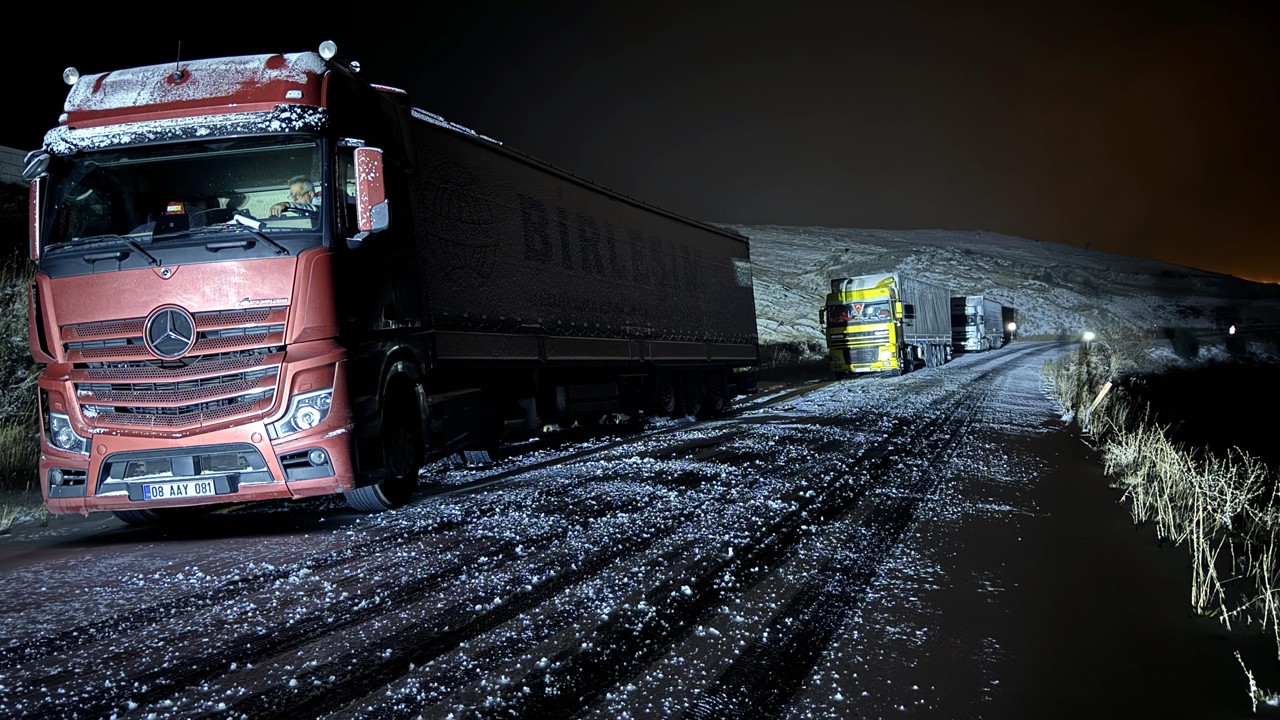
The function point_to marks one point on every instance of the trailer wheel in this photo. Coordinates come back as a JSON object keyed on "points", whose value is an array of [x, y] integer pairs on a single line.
{"points": [[717, 402], [693, 394], [665, 395], [401, 456]]}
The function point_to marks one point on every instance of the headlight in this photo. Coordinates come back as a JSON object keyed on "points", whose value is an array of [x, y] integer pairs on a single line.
{"points": [[305, 412], [64, 437]]}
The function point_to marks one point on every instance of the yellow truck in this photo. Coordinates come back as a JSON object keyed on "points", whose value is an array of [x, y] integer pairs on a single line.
{"points": [[886, 322]]}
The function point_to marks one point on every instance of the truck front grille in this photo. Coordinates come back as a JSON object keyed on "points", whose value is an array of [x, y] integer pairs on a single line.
{"points": [[861, 355], [232, 371]]}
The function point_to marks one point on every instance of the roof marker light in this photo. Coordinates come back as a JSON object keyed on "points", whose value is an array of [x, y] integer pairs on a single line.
{"points": [[70, 76]]}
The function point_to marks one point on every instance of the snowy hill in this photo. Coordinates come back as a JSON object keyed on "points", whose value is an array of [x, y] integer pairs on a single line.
{"points": [[1059, 290]]}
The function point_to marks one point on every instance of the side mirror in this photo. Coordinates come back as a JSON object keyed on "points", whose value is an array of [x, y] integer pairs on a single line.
{"points": [[822, 316], [373, 212], [36, 165]]}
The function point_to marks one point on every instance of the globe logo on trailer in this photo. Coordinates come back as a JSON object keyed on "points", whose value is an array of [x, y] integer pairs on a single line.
{"points": [[170, 332], [462, 226]]}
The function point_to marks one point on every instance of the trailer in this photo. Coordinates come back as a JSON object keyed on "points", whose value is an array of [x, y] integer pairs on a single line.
{"points": [[886, 322], [976, 323], [264, 277]]}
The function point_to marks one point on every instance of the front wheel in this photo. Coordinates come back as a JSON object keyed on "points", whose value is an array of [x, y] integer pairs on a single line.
{"points": [[402, 456]]}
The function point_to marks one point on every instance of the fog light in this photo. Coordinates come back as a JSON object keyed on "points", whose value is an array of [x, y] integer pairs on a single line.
{"points": [[55, 476], [317, 457]]}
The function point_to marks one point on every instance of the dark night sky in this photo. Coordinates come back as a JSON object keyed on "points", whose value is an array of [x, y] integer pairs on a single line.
{"points": [[1146, 127]]}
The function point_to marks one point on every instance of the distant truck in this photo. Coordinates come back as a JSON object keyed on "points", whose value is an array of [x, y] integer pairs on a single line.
{"points": [[210, 333], [886, 322], [977, 323], [1009, 321]]}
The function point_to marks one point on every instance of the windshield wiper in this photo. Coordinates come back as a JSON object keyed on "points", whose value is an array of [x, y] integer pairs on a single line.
{"points": [[248, 224], [154, 260], [120, 255], [105, 239], [87, 240]]}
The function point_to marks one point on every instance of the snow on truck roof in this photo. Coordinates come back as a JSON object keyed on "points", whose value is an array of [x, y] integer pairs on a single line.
{"points": [[250, 93], [251, 82]]}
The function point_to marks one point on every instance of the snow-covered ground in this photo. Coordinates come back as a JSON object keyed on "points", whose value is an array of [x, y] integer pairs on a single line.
{"points": [[833, 553]]}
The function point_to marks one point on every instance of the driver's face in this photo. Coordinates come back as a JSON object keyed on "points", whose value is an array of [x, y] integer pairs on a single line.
{"points": [[300, 192]]}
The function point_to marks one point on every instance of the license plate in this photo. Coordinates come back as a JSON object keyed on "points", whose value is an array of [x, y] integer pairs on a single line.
{"points": [[167, 491]]}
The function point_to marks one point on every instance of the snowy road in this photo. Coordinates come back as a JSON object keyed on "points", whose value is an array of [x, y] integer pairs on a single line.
{"points": [[767, 564]]}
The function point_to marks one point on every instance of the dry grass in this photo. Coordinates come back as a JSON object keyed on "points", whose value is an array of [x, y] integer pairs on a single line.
{"points": [[1224, 510], [20, 497], [19, 446]]}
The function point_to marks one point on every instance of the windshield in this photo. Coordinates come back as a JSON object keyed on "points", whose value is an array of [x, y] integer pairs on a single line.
{"points": [[181, 204], [858, 313]]}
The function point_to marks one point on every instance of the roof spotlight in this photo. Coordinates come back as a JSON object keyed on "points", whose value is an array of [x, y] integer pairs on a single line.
{"points": [[70, 76], [328, 49]]}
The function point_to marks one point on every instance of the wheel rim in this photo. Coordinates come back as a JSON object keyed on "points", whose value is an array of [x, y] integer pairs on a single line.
{"points": [[719, 399], [693, 395], [666, 395], [399, 453]]}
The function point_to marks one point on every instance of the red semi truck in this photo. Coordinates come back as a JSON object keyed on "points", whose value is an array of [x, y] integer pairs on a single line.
{"points": [[423, 291]]}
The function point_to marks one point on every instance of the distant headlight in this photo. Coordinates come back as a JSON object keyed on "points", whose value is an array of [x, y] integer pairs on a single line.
{"points": [[64, 437], [305, 412]]}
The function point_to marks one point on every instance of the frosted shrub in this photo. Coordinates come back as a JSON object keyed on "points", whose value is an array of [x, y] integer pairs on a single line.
{"points": [[1224, 510], [19, 451]]}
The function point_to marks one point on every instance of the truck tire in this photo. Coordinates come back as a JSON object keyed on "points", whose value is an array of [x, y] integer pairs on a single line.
{"points": [[717, 402], [693, 394], [402, 456], [665, 395], [138, 518]]}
